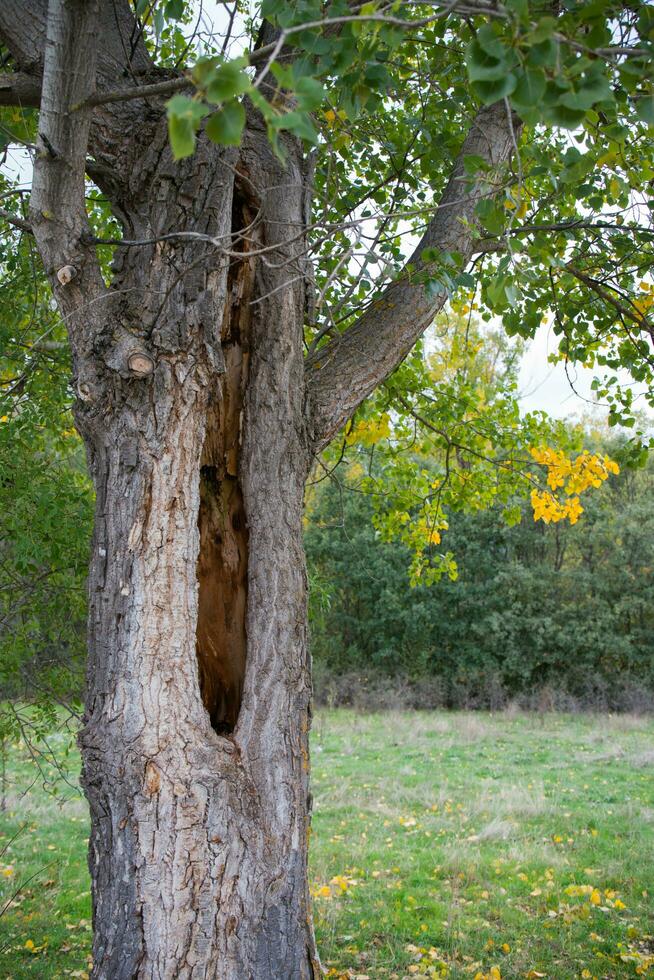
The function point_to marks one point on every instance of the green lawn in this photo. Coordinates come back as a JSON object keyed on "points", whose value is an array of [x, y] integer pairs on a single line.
{"points": [[455, 845]]}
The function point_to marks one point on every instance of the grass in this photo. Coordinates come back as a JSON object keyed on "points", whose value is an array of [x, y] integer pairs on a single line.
{"points": [[455, 845]]}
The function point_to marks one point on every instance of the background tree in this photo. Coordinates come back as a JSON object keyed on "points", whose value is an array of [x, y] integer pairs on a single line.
{"points": [[202, 401]]}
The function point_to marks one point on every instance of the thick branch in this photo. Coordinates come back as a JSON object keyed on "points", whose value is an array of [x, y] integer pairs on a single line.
{"points": [[345, 371], [20, 89], [22, 30], [57, 204]]}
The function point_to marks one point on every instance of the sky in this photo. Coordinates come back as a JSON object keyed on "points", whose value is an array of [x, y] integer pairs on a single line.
{"points": [[546, 386]]}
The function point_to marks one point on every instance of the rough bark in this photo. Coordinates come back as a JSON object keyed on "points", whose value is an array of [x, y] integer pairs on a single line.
{"points": [[195, 743]]}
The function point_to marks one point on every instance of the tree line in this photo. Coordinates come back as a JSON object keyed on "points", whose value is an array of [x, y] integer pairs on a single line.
{"points": [[540, 615]]}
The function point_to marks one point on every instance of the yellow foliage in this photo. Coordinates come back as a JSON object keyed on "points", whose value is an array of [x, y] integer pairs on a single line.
{"points": [[493, 974], [573, 476], [368, 432]]}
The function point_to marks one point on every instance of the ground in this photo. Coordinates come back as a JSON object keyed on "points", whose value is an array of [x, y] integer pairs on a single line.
{"points": [[454, 845]]}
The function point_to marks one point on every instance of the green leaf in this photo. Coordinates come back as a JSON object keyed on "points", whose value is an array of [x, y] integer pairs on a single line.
{"points": [[191, 109], [529, 89], [491, 91], [644, 106], [564, 116], [175, 9], [491, 215], [310, 93], [300, 124], [483, 66], [474, 164], [226, 126], [228, 81], [544, 30], [594, 87], [182, 136], [543, 54], [488, 41], [184, 117]]}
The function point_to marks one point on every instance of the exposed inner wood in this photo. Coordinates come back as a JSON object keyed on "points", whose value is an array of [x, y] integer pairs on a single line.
{"points": [[223, 559]]}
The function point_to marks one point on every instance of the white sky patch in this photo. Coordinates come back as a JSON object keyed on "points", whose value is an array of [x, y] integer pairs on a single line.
{"points": [[546, 386]]}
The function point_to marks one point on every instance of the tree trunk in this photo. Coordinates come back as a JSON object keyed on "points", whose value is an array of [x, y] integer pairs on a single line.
{"points": [[195, 744]]}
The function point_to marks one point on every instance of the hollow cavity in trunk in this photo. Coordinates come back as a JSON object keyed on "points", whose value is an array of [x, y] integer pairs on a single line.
{"points": [[223, 557]]}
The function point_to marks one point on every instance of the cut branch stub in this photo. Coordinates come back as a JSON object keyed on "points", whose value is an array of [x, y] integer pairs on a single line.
{"points": [[66, 274], [128, 357], [140, 364]]}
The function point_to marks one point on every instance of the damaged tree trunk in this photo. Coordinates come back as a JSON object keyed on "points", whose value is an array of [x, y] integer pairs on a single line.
{"points": [[195, 745]]}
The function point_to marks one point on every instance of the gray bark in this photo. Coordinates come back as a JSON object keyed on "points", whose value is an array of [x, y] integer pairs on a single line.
{"points": [[200, 421]]}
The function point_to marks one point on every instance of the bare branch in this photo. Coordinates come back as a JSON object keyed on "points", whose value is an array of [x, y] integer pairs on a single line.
{"points": [[490, 244], [16, 221], [136, 92], [267, 53], [345, 371]]}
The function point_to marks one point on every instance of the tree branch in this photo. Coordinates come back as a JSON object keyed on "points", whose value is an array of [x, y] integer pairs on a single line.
{"points": [[20, 89], [497, 243], [638, 318], [166, 87], [22, 30], [57, 204], [16, 221], [344, 372]]}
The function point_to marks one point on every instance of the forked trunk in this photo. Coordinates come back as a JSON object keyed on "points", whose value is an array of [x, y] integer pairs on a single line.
{"points": [[195, 746]]}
